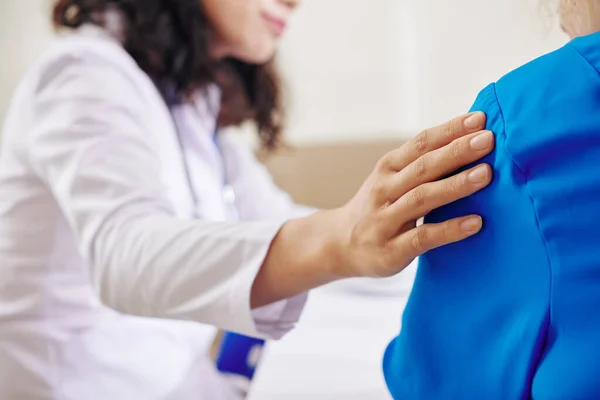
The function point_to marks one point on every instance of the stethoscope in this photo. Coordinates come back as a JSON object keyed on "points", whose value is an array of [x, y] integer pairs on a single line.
{"points": [[227, 191], [242, 354]]}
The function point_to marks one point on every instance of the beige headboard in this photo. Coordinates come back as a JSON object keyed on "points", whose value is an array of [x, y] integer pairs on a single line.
{"points": [[326, 176]]}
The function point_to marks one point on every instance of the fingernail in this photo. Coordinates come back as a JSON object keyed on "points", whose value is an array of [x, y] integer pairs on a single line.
{"points": [[479, 175], [471, 224], [474, 121], [482, 141]]}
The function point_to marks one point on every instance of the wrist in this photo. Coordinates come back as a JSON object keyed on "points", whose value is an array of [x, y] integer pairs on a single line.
{"points": [[335, 249], [323, 244], [306, 253]]}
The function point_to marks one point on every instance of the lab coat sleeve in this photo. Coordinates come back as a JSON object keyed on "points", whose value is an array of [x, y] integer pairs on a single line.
{"points": [[87, 143], [259, 198]]}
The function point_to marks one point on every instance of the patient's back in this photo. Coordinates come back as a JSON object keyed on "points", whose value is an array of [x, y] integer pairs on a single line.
{"points": [[514, 313]]}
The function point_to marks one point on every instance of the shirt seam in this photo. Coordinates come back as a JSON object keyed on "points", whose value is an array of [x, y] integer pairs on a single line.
{"points": [[580, 54], [539, 351]]}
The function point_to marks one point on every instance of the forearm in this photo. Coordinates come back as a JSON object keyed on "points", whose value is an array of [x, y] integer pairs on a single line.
{"points": [[305, 254], [157, 266]]}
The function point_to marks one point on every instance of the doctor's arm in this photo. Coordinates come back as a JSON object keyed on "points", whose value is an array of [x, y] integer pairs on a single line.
{"points": [[314, 248], [87, 143], [375, 233]]}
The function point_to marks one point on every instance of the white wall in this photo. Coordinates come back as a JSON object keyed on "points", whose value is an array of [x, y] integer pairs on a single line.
{"points": [[24, 32], [360, 69]]}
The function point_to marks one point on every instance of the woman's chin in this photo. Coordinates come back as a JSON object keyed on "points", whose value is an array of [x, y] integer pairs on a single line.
{"points": [[257, 55]]}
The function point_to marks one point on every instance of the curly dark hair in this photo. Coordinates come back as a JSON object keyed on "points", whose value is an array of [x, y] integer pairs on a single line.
{"points": [[169, 40]]}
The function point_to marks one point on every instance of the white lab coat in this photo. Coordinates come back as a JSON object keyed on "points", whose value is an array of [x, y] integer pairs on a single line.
{"points": [[96, 226]]}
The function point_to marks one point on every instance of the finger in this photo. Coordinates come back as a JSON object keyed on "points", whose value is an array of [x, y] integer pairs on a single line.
{"points": [[432, 139], [424, 238], [425, 198], [441, 162]]}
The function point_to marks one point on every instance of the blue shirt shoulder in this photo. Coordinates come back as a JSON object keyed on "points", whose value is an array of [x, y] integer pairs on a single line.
{"points": [[504, 314]]}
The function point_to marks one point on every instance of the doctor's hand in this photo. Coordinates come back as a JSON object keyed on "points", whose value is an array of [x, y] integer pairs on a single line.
{"points": [[379, 225], [376, 233]]}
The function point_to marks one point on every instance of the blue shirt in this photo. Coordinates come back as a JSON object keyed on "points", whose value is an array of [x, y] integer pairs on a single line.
{"points": [[512, 313]]}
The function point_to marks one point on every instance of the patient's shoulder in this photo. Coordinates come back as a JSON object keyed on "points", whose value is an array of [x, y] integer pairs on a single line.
{"points": [[550, 100], [524, 91]]}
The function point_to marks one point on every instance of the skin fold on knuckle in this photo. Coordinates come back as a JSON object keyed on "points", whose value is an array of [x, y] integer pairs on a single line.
{"points": [[451, 129], [450, 232], [457, 186], [457, 150], [385, 163], [421, 142], [379, 192], [415, 199], [419, 240], [420, 168]]}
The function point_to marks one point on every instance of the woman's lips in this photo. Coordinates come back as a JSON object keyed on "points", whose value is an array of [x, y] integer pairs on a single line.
{"points": [[276, 25]]}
